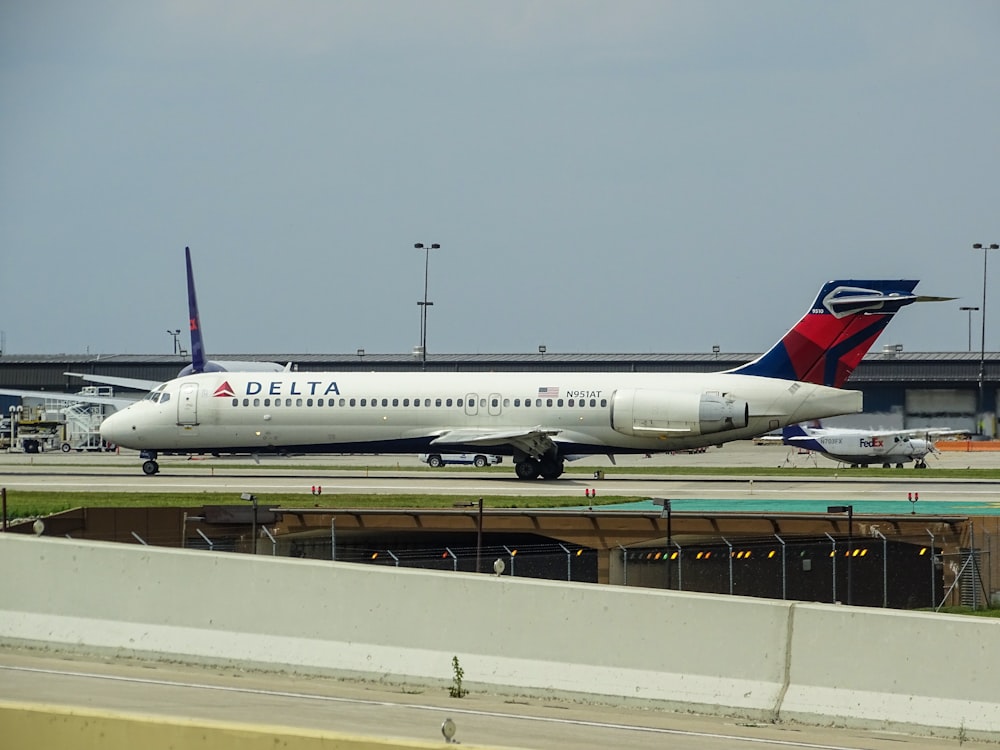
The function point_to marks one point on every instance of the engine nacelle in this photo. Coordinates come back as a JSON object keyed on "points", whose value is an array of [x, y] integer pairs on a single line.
{"points": [[643, 412]]}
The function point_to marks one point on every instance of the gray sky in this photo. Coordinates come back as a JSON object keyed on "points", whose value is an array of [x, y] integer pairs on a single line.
{"points": [[602, 176]]}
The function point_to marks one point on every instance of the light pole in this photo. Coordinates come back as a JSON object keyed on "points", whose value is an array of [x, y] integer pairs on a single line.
{"points": [[849, 510], [970, 310], [175, 333], [423, 305], [982, 344]]}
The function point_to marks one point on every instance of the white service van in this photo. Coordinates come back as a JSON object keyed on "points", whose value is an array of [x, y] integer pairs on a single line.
{"points": [[476, 459]]}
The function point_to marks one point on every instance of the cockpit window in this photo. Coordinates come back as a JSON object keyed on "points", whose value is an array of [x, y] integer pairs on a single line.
{"points": [[158, 395]]}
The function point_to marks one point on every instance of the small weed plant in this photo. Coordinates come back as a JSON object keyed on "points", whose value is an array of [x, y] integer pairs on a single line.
{"points": [[456, 690]]}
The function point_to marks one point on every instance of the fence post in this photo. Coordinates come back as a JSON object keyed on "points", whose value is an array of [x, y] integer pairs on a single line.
{"points": [[833, 558], [510, 553], [885, 568], [680, 572], [569, 562], [730, 565], [784, 574], [933, 598], [274, 542]]}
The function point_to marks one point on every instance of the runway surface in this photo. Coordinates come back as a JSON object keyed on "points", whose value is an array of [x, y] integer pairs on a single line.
{"points": [[901, 491], [370, 709]]}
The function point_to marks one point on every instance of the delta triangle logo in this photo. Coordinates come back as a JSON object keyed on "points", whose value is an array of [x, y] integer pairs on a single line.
{"points": [[224, 391]]}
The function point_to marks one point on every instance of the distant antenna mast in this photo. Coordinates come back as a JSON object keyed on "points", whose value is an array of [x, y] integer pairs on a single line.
{"points": [[3, 342]]}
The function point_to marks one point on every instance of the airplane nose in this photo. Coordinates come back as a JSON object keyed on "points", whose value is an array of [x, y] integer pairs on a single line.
{"points": [[114, 429]]}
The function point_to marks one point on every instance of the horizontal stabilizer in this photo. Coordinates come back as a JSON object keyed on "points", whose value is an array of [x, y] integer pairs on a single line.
{"points": [[136, 383]]}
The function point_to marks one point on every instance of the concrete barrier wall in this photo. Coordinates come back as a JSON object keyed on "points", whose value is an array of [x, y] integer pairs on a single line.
{"points": [[931, 670], [736, 655]]}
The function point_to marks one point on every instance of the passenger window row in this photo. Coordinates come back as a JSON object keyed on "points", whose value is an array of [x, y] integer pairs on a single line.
{"points": [[426, 403]]}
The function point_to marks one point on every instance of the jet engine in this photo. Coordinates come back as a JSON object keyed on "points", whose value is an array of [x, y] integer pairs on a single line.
{"points": [[643, 412]]}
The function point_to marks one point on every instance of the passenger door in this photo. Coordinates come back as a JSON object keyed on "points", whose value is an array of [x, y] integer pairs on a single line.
{"points": [[471, 404], [187, 404]]}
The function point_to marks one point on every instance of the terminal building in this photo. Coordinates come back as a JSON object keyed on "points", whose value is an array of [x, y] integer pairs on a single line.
{"points": [[955, 390]]}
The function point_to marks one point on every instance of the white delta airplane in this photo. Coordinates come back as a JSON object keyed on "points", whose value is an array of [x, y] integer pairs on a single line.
{"points": [[541, 419], [867, 447]]}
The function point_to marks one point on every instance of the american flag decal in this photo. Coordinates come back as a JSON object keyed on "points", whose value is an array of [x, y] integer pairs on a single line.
{"points": [[548, 392]]}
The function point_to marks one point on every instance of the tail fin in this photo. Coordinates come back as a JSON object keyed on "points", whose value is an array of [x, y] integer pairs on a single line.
{"points": [[199, 362], [197, 342], [830, 340], [798, 436]]}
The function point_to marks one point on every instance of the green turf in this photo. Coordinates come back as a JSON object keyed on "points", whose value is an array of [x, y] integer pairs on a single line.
{"points": [[31, 504], [23, 504], [872, 472]]}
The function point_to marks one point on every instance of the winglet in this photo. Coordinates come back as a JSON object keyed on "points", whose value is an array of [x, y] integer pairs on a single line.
{"points": [[197, 342], [831, 339]]}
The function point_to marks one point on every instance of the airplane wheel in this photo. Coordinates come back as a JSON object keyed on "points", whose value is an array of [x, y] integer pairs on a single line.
{"points": [[899, 466], [435, 462], [885, 466], [920, 465], [480, 462], [552, 469], [527, 469], [150, 468]]}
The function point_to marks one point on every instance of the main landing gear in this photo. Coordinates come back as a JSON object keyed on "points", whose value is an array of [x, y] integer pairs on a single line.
{"points": [[149, 466], [546, 467]]}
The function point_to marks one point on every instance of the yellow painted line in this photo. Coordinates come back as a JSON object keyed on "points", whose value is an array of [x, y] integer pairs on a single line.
{"points": [[28, 726]]}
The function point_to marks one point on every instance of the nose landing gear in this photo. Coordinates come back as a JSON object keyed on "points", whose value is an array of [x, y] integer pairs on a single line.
{"points": [[149, 466]]}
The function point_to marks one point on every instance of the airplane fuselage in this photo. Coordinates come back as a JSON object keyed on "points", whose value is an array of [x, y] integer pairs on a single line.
{"points": [[582, 413], [852, 448]]}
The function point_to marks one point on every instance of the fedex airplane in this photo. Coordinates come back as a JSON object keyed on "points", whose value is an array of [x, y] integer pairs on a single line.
{"points": [[866, 447], [540, 419]]}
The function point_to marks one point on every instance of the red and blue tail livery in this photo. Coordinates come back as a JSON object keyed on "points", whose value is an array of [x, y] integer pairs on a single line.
{"points": [[831, 339]]}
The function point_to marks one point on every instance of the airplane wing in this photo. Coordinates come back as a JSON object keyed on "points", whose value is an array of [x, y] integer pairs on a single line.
{"points": [[535, 442], [136, 383], [927, 433], [768, 440], [70, 398]]}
